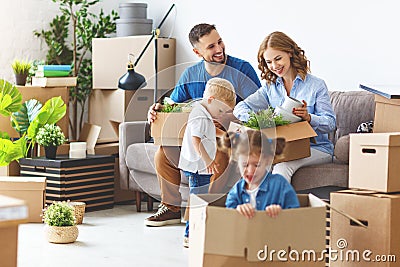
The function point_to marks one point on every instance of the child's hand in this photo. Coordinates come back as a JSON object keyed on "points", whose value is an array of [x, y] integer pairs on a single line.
{"points": [[246, 210], [213, 167], [273, 210]]}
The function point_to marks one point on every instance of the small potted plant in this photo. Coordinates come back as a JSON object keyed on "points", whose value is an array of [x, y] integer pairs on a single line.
{"points": [[21, 70], [60, 223], [50, 136]]}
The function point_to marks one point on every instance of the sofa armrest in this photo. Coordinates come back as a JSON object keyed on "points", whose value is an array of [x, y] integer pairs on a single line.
{"points": [[130, 133]]}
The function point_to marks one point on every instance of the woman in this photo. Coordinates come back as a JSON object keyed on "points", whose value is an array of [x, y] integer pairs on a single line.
{"points": [[286, 70]]}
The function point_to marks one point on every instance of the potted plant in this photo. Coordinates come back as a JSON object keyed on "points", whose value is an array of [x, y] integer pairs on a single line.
{"points": [[60, 223], [50, 136], [21, 70]]}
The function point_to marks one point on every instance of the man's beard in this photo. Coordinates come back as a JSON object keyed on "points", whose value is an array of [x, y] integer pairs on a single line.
{"points": [[215, 62]]}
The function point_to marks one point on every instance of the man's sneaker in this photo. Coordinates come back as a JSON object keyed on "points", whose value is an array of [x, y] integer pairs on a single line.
{"points": [[164, 216], [186, 242]]}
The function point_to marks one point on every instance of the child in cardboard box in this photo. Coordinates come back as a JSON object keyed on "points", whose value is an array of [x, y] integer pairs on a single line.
{"points": [[197, 159], [258, 189]]}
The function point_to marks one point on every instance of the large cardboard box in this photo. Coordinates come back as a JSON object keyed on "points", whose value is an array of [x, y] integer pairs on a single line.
{"points": [[222, 237], [110, 58], [29, 189], [110, 107], [41, 94], [168, 129], [12, 213], [371, 245], [11, 169], [374, 161], [297, 135], [387, 112]]}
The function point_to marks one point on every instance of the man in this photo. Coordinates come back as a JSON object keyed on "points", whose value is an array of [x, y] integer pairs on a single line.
{"points": [[208, 45]]}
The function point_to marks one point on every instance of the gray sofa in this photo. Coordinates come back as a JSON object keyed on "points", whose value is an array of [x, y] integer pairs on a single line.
{"points": [[137, 166]]}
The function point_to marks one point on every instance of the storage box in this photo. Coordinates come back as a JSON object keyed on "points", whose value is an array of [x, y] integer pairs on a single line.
{"points": [[29, 189], [41, 94], [168, 129], [387, 112], [380, 212], [11, 169], [12, 213], [374, 161], [110, 58], [297, 136], [107, 107], [222, 237], [90, 179]]}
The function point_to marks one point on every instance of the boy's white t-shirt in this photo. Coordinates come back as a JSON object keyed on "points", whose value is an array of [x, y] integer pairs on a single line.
{"points": [[253, 194], [200, 124]]}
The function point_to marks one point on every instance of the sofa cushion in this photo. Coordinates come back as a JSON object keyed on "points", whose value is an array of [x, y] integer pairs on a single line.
{"points": [[140, 156], [341, 151]]}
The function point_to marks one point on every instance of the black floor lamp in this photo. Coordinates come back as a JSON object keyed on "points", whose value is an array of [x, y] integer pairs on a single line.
{"points": [[133, 80]]}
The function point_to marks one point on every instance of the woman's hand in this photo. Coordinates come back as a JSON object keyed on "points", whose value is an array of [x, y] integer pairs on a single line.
{"points": [[152, 113], [246, 210], [302, 112], [273, 210]]}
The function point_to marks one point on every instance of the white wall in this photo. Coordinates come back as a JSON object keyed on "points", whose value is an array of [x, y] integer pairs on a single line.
{"points": [[347, 42]]}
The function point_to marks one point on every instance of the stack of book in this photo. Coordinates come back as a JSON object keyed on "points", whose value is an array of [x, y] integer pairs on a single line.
{"points": [[53, 75]]}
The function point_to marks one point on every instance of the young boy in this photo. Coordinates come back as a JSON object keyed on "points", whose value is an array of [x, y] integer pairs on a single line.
{"points": [[197, 158]]}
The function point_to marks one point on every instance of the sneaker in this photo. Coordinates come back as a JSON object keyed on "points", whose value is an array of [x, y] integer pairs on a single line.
{"points": [[186, 242], [164, 216]]}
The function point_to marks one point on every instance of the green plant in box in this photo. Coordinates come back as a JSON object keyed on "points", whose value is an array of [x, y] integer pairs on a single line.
{"points": [[264, 119], [59, 213]]}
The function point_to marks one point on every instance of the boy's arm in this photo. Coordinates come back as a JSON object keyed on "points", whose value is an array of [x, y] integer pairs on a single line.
{"points": [[199, 148]]}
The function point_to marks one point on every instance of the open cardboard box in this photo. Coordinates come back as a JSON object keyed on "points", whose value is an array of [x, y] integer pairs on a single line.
{"points": [[380, 213], [297, 136], [168, 129], [222, 237]]}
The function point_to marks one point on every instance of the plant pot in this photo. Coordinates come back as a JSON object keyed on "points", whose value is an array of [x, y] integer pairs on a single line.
{"points": [[50, 152], [20, 78], [61, 234], [79, 210]]}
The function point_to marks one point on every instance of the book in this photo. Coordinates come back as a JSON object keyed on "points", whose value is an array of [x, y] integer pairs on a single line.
{"points": [[53, 81], [54, 67], [52, 73]]}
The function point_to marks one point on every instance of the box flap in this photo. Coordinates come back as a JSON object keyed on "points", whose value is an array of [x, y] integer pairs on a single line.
{"points": [[375, 139], [369, 193], [89, 134], [381, 99], [12, 183]]}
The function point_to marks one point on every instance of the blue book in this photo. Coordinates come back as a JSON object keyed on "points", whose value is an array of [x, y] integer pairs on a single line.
{"points": [[54, 67], [388, 91]]}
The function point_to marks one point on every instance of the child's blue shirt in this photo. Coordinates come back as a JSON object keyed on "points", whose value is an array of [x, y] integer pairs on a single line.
{"points": [[274, 189]]}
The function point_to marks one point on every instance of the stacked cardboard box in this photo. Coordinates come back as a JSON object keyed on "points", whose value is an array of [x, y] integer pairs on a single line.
{"points": [[12, 213], [374, 199]]}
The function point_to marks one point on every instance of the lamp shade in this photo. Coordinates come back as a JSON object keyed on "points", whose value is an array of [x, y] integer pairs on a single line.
{"points": [[131, 80]]}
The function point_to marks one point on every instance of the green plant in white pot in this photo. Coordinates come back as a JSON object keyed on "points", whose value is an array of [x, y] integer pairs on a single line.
{"points": [[60, 223], [50, 136]]}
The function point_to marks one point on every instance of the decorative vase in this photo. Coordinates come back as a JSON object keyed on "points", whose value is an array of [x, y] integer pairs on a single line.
{"points": [[20, 78], [50, 152], [61, 234], [79, 210]]}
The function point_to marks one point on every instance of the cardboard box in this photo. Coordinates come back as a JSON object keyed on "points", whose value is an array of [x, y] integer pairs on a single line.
{"points": [[168, 129], [297, 136], [380, 212], [387, 112], [12, 213], [11, 169], [374, 161], [108, 107], [222, 237], [41, 94], [29, 189], [110, 64]]}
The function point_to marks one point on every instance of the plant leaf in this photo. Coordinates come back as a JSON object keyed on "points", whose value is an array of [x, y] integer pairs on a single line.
{"points": [[7, 91], [9, 151], [28, 112]]}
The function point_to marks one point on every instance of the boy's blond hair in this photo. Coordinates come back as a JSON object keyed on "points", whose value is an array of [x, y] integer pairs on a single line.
{"points": [[221, 90]]}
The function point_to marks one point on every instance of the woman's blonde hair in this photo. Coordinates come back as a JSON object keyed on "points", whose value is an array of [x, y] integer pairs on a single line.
{"points": [[282, 42]]}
